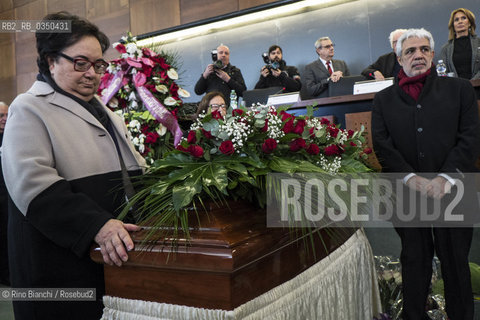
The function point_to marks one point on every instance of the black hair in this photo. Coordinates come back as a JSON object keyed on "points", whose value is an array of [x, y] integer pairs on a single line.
{"points": [[49, 44], [274, 47]]}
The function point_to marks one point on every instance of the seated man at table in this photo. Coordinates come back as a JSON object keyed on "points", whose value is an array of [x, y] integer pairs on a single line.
{"points": [[386, 65], [321, 72], [277, 74]]}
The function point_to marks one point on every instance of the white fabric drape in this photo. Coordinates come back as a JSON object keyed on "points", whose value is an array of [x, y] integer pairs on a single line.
{"points": [[341, 286]]}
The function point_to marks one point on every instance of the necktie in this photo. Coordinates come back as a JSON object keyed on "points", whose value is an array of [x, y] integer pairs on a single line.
{"points": [[329, 68]]}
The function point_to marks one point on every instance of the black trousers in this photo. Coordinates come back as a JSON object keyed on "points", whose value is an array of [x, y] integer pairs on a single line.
{"points": [[4, 273], [452, 246]]}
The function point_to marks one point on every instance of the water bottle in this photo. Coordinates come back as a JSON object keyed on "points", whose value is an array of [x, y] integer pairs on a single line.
{"points": [[441, 69], [233, 99]]}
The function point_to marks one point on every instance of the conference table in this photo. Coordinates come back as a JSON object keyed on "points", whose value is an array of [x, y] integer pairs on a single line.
{"points": [[352, 112], [338, 106]]}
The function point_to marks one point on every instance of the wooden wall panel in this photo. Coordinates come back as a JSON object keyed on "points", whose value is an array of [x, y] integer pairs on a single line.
{"points": [[19, 3], [151, 15], [114, 25], [112, 17], [25, 81], [194, 10], [244, 4], [26, 54], [77, 7], [25, 49], [7, 67], [99, 8], [7, 37], [9, 89], [6, 5], [34, 10], [7, 52]]}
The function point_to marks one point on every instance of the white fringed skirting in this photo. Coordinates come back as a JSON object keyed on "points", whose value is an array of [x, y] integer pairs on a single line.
{"points": [[341, 286]]}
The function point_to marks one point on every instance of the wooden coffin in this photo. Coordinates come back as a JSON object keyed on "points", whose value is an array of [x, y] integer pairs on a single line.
{"points": [[230, 259]]}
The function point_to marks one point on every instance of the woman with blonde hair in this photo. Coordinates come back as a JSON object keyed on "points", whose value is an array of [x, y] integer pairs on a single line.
{"points": [[461, 53]]}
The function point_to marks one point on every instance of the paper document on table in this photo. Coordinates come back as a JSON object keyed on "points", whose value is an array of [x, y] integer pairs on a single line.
{"points": [[370, 86], [283, 98]]}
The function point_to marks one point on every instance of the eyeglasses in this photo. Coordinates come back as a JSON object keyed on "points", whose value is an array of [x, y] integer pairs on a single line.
{"points": [[328, 46], [217, 106], [82, 64]]}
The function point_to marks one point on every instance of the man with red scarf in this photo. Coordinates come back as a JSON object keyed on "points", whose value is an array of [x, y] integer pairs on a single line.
{"points": [[427, 128]]}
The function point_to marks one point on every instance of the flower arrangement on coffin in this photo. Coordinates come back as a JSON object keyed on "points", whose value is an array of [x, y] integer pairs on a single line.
{"points": [[141, 86], [229, 158]]}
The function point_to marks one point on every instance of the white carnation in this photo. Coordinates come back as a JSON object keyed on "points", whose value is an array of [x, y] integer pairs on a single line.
{"points": [[161, 130]]}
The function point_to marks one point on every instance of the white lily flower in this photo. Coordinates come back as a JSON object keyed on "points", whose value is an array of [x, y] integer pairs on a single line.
{"points": [[183, 93], [141, 148], [124, 55], [135, 141], [162, 88], [161, 130], [172, 74], [170, 101]]}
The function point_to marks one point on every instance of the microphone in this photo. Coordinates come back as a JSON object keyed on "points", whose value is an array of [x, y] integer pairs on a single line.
{"points": [[281, 90]]}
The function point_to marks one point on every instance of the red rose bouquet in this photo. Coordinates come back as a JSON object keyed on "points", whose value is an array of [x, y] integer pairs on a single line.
{"points": [[230, 157]]}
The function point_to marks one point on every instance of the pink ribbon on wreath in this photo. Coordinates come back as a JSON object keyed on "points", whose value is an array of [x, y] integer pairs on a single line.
{"points": [[160, 113], [113, 87]]}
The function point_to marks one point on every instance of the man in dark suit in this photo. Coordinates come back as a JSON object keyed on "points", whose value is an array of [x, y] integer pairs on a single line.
{"points": [[321, 72], [386, 65], [427, 128]]}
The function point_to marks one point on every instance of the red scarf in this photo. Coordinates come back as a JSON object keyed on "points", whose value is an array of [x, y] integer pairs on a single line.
{"points": [[412, 85]]}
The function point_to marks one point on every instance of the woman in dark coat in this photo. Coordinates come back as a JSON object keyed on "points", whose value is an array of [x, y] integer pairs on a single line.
{"points": [[65, 156]]}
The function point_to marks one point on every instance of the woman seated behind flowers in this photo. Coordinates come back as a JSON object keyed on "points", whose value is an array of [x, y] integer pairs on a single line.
{"points": [[212, 101]]}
